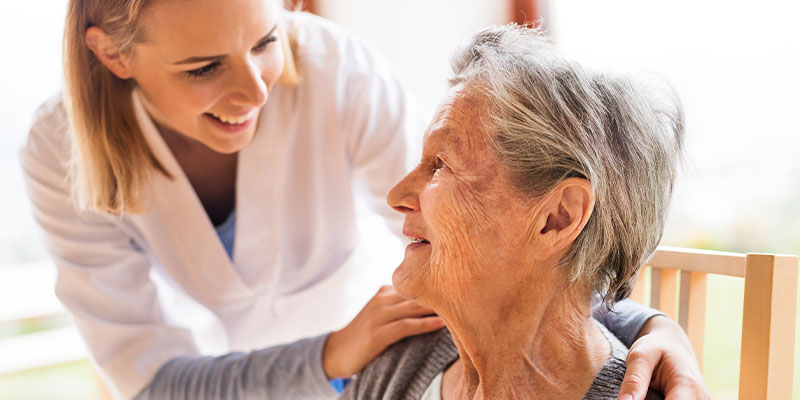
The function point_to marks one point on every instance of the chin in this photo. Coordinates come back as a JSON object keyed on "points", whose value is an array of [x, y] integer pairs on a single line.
{"points": [[407, 279], [230, 145]]}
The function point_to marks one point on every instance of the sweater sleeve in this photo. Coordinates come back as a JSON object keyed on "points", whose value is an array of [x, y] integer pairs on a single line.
{"points": [[291, 371], [625, 319]]}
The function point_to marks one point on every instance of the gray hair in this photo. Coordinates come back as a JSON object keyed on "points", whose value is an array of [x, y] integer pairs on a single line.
{"points": [[550, 119]]}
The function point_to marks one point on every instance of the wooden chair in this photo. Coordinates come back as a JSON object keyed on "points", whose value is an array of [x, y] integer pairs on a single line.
{"points": [[770, 290]]}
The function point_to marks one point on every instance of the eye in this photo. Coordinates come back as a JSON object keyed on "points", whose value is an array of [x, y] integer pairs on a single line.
{"points": [[204, 71], [262, 45]]}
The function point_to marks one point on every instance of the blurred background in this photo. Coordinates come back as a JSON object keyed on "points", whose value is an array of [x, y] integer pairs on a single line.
{"points": [[735, 65]]}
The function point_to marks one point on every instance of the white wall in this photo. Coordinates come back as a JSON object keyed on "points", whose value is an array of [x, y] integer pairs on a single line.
{"points": [[416, 36], [30, 72], [736, 66]]}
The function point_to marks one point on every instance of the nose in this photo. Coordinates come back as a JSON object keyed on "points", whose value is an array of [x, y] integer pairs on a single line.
{"points": [[250, 88], [404, 196]]}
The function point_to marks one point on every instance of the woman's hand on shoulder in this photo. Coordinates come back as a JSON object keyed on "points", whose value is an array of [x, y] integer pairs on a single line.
{"points": [[387, 318], [662, 358]]}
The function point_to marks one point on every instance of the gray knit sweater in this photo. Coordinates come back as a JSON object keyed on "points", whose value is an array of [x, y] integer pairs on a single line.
{"points": [[406, 369]]}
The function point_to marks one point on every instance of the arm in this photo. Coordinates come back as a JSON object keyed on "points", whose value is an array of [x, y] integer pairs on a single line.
{"points": [[626, 320], [286, 371], [296, 370], [658, 348]]}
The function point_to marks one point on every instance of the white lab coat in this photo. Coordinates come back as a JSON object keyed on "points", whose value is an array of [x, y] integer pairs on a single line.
{"points": [[346, 122]]}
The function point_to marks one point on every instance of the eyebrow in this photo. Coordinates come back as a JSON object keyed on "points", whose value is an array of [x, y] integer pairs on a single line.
{"points": [[199, 59]]}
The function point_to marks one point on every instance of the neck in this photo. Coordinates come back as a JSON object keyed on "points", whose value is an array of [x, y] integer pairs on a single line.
{"points": [[537, 343]]}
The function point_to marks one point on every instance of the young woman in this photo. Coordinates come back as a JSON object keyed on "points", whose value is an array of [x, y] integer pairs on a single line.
{"points": [[195, 186]]}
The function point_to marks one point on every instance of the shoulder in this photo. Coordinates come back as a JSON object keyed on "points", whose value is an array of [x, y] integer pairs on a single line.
{"points": [[335, 66], [407, 367], [318, 42], [350, 89], [48, 138], [607, 382], [50, 116]]}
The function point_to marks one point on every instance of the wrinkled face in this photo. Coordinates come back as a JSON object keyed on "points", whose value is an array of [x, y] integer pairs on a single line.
{"points": [[462, 216], [206, 67]]}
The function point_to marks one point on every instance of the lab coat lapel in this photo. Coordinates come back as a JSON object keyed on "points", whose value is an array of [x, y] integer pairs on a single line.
{"points": [[259, 200], [180, 232]]}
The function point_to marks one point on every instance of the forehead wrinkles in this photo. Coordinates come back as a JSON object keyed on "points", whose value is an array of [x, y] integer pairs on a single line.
{"points": [[472, 143], [465, 115]]}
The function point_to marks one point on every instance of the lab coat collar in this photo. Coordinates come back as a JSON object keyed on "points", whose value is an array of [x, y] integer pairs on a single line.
{"points": [[181, 233]]}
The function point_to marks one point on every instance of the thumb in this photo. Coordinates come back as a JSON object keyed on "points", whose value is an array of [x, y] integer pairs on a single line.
{"points": [[638, 373]]}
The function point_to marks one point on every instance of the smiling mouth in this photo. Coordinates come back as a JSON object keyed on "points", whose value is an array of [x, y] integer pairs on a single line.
{"points": [[417, 240], [233, 121]]}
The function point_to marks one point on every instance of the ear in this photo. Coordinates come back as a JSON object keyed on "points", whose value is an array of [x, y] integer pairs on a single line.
{"points": [[107, 52], [563, 215]]}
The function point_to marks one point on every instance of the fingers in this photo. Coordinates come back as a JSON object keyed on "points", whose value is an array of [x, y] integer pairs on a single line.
{"points": [[387, 305], [406, 309], [387, 318], [663, 359], [640, 366], [386, 296], [406, 327], [385, 289]]}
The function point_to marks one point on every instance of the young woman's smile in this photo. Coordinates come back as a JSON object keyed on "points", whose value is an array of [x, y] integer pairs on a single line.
{"points": [[233, 124]]}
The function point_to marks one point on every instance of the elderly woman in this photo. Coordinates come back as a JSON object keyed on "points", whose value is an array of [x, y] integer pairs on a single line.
{"points": [[541, 182]]}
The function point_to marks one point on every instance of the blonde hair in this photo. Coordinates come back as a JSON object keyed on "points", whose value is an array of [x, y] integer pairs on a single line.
{"points": [[111, 160]]}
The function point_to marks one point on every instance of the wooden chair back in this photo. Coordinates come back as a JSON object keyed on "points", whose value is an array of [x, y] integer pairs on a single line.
{"points": [[768, 323]]}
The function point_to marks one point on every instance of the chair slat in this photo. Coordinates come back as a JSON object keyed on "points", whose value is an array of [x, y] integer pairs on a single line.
{"points": [[638, 293], [683, 300], [692, 310], [655, 288], [668, 293], [770, 290]]}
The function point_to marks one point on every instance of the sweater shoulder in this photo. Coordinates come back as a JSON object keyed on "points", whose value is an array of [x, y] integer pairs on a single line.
{"points": [[405, 369]]}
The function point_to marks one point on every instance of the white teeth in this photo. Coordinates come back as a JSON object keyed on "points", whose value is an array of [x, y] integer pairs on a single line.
{"points": [[234, 120], [416, 240]]}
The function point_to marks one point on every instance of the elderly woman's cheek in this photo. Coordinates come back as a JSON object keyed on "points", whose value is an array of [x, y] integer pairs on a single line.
{"points": [[474, 222], [453, 268], [459, 231]]}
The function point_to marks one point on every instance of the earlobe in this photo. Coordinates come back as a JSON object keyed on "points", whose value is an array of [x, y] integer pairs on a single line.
{"points": [[107, 52]]}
